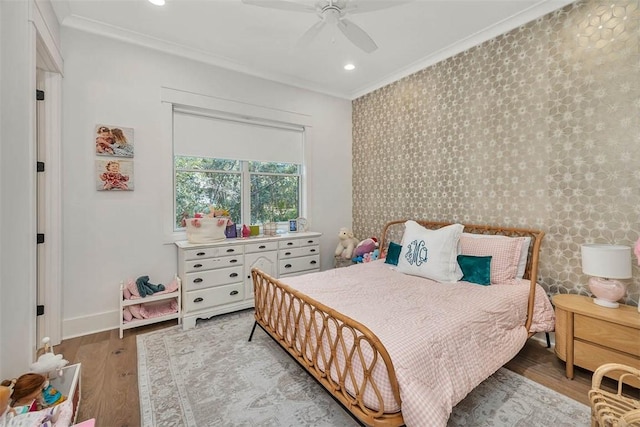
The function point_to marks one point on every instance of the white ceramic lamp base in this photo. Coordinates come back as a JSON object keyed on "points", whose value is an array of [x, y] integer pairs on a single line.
{"points": [[607, 291]]}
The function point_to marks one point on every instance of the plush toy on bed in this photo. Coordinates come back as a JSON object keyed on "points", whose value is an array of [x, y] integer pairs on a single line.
{"points": [[346, 243], [366, 246]]}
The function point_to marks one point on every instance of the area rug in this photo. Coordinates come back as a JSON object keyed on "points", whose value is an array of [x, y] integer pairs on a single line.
{"points": [[212, 376]]}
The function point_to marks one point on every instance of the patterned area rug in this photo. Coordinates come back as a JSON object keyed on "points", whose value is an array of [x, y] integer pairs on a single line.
{"points": [[212, 376]]}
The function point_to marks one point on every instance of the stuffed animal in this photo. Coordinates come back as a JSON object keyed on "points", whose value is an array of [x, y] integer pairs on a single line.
{"points": [[366, 246], [346, 243], [48, 361]]}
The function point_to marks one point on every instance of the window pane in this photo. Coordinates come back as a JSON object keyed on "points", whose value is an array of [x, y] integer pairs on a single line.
{"points": [[196, 191], [274, 198], [273, 167], [197, 163]]}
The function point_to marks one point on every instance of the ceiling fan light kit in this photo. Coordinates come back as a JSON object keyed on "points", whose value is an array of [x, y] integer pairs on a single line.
{"points": [[333, 12]]}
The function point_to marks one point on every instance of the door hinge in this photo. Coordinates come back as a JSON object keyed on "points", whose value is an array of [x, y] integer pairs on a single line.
{"points": [[40, 238], [39, 166], [39, 310], [39, 95]]}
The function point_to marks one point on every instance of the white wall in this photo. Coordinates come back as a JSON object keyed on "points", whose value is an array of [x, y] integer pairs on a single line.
{"points": [[110, 236], [17, 188]]}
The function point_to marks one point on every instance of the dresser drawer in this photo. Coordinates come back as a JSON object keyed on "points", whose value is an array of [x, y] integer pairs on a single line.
{"points": [[607, 334], [309, 241], [295, 265], [212, 297], [205, 279], [284, 244], [212, 263], [260, 247], [191, 254], [301, 251]]}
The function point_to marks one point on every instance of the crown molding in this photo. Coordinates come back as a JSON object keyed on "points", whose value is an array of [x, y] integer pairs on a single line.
{"points": [[132, 37], [534, 12]]}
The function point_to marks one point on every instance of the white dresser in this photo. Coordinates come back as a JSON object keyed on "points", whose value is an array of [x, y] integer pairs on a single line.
{"points": [[216, 277]]}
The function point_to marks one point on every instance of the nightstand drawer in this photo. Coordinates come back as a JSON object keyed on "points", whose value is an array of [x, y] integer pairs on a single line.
{"points": [[607, 334], [591, 356]]}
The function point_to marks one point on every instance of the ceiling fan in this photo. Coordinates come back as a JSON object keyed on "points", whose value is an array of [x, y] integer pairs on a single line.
{"points": [[334, 12]]}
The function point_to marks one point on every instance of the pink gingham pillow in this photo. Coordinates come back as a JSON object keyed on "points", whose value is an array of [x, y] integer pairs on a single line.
{"points": [[504, 253]]}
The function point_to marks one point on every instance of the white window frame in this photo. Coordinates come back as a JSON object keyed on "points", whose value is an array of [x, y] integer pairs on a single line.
{"points": [[223, 108]]}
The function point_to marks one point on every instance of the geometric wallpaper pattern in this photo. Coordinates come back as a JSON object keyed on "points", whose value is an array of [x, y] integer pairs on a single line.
{"points": [[538, 128]]}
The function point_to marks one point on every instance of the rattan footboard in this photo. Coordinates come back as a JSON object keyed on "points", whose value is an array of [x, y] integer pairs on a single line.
{"points": [[280, 309], [340, 352]]}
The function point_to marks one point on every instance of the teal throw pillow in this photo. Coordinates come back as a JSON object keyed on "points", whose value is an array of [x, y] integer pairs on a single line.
{"points": [[475, 269], [393, 254]]}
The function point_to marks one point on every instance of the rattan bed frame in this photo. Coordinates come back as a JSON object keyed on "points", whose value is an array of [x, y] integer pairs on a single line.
{"points": [[279, 310]]}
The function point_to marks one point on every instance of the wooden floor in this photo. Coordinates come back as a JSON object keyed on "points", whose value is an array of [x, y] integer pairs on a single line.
{"points": [[110, 379]]}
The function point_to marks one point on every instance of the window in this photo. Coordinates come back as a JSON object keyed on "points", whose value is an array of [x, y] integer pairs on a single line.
{"points": [[252, 168], [273, 188]]}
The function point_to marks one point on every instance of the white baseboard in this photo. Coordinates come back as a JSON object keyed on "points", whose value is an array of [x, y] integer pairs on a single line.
{"points": [[85, 325]]}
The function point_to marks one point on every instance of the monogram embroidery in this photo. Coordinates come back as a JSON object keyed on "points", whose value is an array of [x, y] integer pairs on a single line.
{"points": [[416, 253]]}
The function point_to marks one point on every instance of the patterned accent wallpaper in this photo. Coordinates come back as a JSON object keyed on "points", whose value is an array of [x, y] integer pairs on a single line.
{"points": [[538, 128]]}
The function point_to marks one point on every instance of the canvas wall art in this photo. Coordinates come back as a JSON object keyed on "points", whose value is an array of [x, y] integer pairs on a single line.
{"points": [[114, 174], [114, 141]]}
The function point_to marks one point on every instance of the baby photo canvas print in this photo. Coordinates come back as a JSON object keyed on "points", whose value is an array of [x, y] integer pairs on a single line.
{"points": [[114, 174], [114, 141]]}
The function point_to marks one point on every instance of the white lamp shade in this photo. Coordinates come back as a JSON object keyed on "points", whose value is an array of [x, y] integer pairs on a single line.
{"points": [[609, 261]]}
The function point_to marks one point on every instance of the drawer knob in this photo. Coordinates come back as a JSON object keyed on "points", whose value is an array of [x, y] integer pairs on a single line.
{"points": [[233, 293], [201, 253], [233, 275], [230, 250], [287, 266], [312, 250], [314, 262], [198, 280], [197, 265], [233, 260], [261, 247], [287, 253], [309, 241], [290, 243], [198, 299]]}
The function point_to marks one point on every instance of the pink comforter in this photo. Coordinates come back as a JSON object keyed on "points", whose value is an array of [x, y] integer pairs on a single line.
{"points": [[443, 338]]}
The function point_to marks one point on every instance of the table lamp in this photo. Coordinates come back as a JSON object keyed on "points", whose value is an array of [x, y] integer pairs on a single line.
{"points": [[605, 263]]}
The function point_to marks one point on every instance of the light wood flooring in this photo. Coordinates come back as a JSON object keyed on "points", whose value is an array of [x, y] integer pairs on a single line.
{"points": [[110, 379]]}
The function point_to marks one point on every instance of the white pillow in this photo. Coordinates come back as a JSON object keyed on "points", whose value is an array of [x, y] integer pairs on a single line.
{"points": [[430, 253], [524, 251]]}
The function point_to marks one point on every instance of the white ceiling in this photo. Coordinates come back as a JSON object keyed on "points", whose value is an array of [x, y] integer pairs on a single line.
{"points": [[262, 42]]}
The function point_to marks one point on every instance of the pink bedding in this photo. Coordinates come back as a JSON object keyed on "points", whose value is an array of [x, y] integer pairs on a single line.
{"points": [[443, 338]]}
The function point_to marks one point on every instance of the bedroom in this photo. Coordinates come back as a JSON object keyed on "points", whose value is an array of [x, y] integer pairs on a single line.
{"points": [[97, 245]]}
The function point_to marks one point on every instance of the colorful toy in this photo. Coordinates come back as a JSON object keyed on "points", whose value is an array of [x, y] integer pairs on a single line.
{"points": [[366, 246]]}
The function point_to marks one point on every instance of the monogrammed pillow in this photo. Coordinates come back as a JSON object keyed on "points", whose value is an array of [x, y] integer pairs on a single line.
{"points": [[430, 253]]}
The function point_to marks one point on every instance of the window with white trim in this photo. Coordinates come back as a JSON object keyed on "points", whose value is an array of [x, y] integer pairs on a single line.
{"points": [[250, 168]]}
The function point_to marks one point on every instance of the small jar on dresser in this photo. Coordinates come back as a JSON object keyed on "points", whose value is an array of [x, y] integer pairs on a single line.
{"points": [[216, 277]]}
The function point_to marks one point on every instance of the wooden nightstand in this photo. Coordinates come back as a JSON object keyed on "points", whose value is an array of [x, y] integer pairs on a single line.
{"points": [[588, 335]]}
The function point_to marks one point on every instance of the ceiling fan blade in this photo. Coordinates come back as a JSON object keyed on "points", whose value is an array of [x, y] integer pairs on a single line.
{"points": [[357, 35], [281, 4], [352, 7], [311, 33]]}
